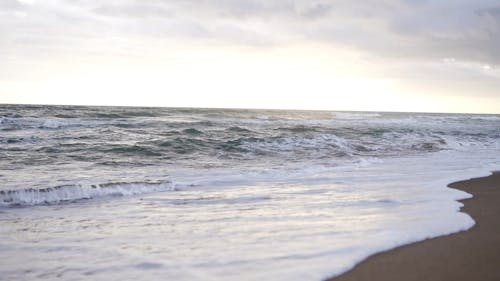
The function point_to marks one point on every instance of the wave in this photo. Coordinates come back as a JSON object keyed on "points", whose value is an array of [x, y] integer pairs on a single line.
{"points": [[192, 131], [332, 145], [356, 115], [303, 142], [16, 140], [133, 150], [237, 129], [461, 117], [299, 129], [72, 193], [19, 123]]}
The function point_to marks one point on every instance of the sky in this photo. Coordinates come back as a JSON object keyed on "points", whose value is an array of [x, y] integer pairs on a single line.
{"points": [[384, 55]]}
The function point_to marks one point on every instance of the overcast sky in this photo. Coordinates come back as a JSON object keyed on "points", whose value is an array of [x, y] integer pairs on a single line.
{"points": [[387, 55]]}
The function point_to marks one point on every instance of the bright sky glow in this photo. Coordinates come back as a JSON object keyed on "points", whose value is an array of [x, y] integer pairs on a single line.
{"points": [[253, 54]]}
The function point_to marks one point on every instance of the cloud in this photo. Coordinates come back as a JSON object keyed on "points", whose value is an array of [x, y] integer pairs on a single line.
{"points": [[393, 29], [10, 5], [468, 30], [134, 10]]}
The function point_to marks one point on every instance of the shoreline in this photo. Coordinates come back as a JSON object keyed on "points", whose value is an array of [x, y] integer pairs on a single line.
{"points": [[468, 255]]}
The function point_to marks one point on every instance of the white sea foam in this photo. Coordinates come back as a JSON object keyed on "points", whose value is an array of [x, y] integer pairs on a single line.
{"points": [[294, 224]]}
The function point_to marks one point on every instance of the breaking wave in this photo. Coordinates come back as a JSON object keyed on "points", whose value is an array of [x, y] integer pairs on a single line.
{"points": [[72, 193]]}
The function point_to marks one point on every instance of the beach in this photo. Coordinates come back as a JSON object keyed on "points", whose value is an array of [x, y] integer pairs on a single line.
{"points": [[468, 255]]}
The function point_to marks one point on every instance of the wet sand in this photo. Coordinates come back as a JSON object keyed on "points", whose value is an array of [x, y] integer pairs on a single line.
{"points": [[472, 255]]}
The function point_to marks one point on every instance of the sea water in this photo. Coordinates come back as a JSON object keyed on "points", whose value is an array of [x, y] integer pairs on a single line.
{"points": [[117, 193]]}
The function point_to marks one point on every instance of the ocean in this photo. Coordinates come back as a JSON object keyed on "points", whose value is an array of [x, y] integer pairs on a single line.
{"points": [[121, 193]]}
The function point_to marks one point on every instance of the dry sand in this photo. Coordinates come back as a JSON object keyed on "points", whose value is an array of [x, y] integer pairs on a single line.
{"points": [[472, 255]]}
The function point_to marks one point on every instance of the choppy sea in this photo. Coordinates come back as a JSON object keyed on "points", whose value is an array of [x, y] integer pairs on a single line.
{"points": [[122, 193]]}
